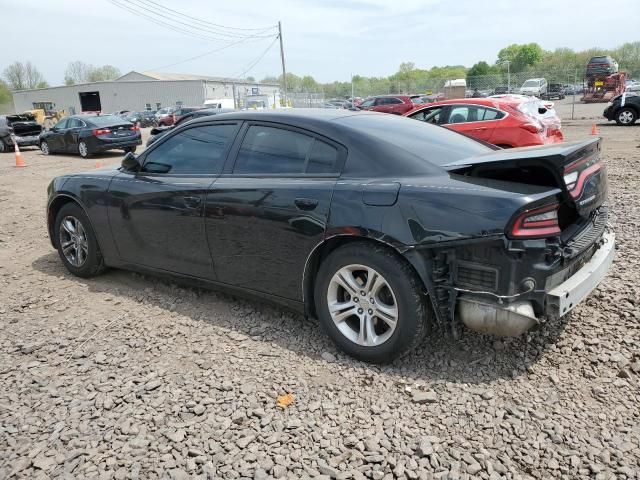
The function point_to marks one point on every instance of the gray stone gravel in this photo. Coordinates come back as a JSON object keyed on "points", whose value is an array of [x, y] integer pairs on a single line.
{"points": [[125, 376]]}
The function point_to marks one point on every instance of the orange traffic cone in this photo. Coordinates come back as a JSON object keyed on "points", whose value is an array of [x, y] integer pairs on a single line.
{"points": [[594, 129], [19, 159]]}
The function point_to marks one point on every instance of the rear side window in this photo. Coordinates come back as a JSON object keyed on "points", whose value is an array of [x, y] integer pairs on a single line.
{"points": [[272, 150], [197, 150], [322, 158], [462, 114]]}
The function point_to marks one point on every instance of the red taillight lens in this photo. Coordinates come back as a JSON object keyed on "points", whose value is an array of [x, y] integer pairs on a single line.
{"points": [[536, 223], [101, 131], [135, 128], [576, 173]]}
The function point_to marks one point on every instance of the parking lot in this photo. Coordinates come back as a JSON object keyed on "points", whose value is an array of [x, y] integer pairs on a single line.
{"points": [[128, 376]]}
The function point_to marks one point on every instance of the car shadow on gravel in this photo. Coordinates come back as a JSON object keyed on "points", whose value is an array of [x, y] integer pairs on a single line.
{"points": [[473, 359]]}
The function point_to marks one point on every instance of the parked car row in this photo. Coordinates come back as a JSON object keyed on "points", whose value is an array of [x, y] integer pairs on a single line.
{"points": [[377, 225]]}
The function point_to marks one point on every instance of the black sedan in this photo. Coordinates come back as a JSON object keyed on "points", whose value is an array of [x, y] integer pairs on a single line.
{"points": [[378, 225], [624, 109], [157, 132], [89, 134]]}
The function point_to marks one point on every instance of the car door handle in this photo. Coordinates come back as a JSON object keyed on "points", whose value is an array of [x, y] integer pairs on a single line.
{"points": [[306, 203], [192, 202], [480, 128]]}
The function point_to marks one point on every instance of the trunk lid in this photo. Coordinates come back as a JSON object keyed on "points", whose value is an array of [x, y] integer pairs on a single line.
{"points": [[124, 130], [24, 125], [574, 167]]}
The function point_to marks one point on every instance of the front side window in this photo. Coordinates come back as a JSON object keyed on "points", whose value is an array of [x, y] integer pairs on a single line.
{"points": [[459, 115], [368, 103], [62, 124], [197, 150], [429, 115]]}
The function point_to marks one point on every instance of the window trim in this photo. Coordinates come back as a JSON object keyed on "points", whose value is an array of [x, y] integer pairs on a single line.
{"points": [[143, 156], [232, 157]]}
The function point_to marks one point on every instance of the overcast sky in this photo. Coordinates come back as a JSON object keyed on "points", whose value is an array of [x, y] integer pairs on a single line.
{"points": [[328, 39]]}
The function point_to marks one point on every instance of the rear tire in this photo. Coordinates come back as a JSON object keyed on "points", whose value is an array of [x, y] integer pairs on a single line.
{"points": [[361, 324], [130, 149], [76, 242], [626, 117], [83, 149], [3, 147]]}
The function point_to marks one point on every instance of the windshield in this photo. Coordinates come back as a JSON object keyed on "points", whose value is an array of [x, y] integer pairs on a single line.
{"points": [[104, 120], [531, 83], [437, 145]]}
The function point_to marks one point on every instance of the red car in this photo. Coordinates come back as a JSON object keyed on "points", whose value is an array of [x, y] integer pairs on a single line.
{"points": [[179, 113], [396, 104], [492, 120]]}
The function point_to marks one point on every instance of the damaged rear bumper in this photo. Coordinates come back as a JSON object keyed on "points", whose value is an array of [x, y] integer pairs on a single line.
{"points": [[515, 318]]}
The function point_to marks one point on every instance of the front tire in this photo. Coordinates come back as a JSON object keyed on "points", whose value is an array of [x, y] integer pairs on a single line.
{"points": [[370, 302], [130, 149], [83, 149], [626, 116], [44, 148], [3, 147], [76, 242]]}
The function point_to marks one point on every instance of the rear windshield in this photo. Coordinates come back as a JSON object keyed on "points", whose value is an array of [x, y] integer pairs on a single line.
{"points": [[599, 59], [104, 120], [437, 145], [531, 83]]}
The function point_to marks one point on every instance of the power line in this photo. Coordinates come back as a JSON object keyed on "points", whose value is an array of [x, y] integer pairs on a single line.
{"points": [[255, 62], [139, 4], [203, 21], [173, 27], [199, 56]]}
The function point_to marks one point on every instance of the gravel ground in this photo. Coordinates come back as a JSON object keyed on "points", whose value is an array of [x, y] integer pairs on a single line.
{"points": [[127, 376]]}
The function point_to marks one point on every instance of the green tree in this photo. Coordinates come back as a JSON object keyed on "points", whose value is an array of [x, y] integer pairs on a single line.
{"points": [[521, 56], [6, 100], [5, 94], [309, 84]]}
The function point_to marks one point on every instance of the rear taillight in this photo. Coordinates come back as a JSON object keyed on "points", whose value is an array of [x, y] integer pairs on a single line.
{"points": [[576, 173], [135, 128], [101, 131], [536, 223]]}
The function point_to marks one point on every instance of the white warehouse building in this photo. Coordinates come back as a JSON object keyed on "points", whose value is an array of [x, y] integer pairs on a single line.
{"points": [[143, 91]]}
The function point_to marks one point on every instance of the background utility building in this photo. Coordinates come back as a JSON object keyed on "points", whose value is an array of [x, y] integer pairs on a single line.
{"points": [[139, 91]]}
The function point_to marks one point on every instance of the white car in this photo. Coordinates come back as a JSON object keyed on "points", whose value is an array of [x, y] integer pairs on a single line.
{"points": [[534, 86]]}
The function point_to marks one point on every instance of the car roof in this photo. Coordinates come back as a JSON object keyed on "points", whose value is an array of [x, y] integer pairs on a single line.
{"points": [[487, 102]]}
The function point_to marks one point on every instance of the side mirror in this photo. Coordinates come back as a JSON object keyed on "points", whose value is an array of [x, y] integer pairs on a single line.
{"points": [[130, 162]]}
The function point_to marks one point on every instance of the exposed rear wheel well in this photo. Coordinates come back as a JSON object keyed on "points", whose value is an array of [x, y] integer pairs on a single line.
{"points": [[323, 251]]}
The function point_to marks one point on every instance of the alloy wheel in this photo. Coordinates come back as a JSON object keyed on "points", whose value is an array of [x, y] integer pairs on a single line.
{"points": [[362, 305], [44, 146], [73, 241], [82, 149], [625, 117]]}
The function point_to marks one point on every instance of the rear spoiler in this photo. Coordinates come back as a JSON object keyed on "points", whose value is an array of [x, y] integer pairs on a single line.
{"points": [[556, 153]]}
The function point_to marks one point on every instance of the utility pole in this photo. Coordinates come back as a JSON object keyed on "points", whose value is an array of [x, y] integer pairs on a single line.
{"points": [[352, 97], [284, 70]]}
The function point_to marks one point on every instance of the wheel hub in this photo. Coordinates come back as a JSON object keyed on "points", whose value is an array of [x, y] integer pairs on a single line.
{"points": [[362, 305]]}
